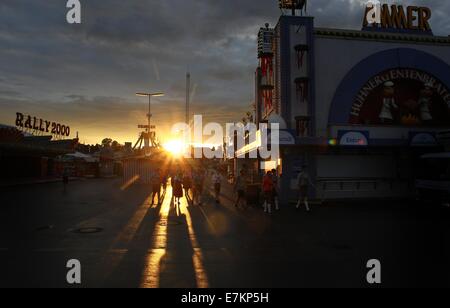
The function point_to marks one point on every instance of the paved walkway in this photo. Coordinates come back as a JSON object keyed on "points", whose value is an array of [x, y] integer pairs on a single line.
{"points": [[31, 181], [144, 245]]}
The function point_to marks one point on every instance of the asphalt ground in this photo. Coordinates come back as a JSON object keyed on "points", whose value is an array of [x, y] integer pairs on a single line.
{"points": [[121, 240]]}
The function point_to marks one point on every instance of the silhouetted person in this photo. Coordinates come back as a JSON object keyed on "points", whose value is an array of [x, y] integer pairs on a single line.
{"points": [[267, 187], [303, 182], [217, 181], [240, 187], [177, 188], [164, 179], [156, 186], [275, 189], [65, 177], [198, 179], [187, 184]]}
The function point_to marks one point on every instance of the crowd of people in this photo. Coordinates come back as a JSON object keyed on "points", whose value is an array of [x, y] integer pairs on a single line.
{"points": [[189, 182], [186, 181], [270, 190]]}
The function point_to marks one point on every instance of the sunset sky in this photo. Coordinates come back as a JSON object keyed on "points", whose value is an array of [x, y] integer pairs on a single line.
{"points": [[86, 75]]}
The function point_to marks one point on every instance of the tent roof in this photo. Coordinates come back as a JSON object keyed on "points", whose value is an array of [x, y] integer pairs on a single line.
{"points": [[437, 156], [87, 158]]}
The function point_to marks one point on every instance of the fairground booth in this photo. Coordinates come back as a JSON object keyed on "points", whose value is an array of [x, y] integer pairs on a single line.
{"points": [[357, 107], [26, 156]]}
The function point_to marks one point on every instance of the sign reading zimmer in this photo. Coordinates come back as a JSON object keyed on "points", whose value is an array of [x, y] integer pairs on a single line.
{"points": [[397, 17]]}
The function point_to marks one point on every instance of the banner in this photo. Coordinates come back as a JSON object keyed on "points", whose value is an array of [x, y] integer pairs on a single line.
{"points": [[405, 97]]}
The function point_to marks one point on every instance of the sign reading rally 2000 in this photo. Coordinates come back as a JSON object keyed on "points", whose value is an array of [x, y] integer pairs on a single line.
{"points": [[407, 97], [38, 125]]}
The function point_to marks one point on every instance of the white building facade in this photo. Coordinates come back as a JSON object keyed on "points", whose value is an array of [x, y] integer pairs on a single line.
{"points": [[361, 106]]}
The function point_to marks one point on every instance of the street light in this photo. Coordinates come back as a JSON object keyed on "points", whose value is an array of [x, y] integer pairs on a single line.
{"points": [[149, 95]]}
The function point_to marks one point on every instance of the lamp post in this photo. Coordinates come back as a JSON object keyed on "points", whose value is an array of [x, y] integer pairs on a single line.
{"points": [[149, 95]]}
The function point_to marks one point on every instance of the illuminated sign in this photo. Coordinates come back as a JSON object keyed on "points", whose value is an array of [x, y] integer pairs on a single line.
{"points": [[353, 138], [37, 125], [385, 16], [423, 139], [292, 4], [146, 126], [402, 96], [284, 138]]}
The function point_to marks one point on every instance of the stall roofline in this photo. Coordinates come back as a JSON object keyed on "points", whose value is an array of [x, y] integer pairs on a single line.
{"points": [[381, 36]]}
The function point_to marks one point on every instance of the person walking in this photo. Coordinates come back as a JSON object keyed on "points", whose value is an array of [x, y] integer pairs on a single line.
{"points": [[217, 181], [275, 189], [156, 186], [177, 188], [240, 187], [197, 191], [65, 177], [303, 181], [267, 187], [164, 179], [187, 183]]}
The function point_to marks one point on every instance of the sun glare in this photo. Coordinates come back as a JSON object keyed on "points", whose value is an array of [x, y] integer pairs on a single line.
{"points": [[175, 147]]}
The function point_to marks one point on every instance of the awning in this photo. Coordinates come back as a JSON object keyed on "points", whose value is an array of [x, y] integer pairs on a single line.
{"points": [[85, 157], [437, 156]]}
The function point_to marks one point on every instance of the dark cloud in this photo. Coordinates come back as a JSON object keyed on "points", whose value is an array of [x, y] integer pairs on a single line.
{"points": [[9, 93], [91, 71]]}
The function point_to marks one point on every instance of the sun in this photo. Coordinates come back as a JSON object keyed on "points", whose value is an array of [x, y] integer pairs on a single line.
{"points": [[175, 147]]}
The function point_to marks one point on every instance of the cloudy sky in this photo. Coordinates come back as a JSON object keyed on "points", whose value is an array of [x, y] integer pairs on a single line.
{"points": [[86, 75]]}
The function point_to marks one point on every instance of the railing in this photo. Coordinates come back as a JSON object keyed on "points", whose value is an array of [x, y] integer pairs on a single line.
{"points": [[356, 184]]}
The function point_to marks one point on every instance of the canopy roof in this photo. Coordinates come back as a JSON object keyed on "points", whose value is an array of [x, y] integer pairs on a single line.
{"points": [[437, 156]]}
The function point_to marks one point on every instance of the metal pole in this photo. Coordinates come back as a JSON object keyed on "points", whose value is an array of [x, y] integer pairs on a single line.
{"points": [[149, 112], [188, 89]]}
